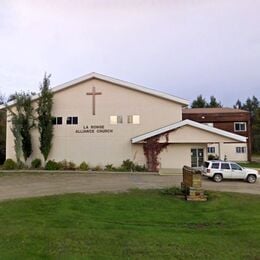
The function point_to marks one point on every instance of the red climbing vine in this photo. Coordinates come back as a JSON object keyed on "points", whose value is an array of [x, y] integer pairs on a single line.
{"points": [[152, 148]]}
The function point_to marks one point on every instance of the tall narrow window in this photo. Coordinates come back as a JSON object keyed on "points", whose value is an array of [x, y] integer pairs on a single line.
{"points": [[57, 120], [75, 120], [114, 120], [69, 120], [133, 119]]}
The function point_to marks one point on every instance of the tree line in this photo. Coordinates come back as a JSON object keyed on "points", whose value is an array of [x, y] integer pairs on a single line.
{"points": [[24, 116], [251, 105]]}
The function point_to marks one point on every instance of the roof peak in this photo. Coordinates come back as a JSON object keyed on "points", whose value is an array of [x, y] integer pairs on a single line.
{"points": [[188, 122]]}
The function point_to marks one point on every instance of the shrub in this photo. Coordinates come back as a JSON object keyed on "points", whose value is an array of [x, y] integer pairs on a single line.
{"points": [[52, 166], [109, 167], [97, 168], [140, 168], [213, 157], [36, 163], [9, 164], [21, 165], [71, 165], [128, 165], [83, 166], [65, 165]]}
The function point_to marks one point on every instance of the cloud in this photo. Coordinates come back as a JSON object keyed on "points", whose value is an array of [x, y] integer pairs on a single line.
{"points": [[182, 47]]}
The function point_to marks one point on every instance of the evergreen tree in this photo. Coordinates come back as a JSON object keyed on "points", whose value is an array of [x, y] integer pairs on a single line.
{"points": [[256, 132], [238, 105], [213, 102], [45, 126], [200, 102], [251, 105], [2, 99]]}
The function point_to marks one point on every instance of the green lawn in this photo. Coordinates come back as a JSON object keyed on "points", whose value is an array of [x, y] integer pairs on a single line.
{"points": [[135, 225], [250, 165]]}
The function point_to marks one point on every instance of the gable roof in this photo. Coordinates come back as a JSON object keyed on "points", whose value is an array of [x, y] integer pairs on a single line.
{"points": [[118, 82], [188, 122]]}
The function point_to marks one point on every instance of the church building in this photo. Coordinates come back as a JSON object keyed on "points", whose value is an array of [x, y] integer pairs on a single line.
{"points": [[102, 120]]}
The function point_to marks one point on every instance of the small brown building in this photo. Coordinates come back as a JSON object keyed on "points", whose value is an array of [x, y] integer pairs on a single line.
{"points": [[236, 121]]}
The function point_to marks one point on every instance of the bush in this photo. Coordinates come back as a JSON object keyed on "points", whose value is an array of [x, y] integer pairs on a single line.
{"points": [[83, 166], [52, 166], [64, 165], [71, 166], [140, 168], [109, 167], [212, 157], [128, 165], [36, 163], [21, 165], [9, 164], [97, 168]]}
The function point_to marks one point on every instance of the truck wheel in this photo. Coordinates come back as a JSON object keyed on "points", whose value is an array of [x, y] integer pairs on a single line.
{"points": [[251, 178], [218, 177]]}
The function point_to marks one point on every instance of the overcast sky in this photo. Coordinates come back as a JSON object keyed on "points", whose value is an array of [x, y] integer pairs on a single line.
{"points": [[182, 47]]}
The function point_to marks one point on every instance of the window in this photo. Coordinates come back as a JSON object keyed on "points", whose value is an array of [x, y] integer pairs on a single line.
{"points": [[114, 120], [215, 165], [240, 126], [133, 119], [235, 166], [206, 164], [225, 166], [240, 149], [72, 120], [211, 150], [57, 120]]}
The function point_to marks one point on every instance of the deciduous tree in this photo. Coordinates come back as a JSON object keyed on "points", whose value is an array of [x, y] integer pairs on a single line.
{"points": [[22, 123]]}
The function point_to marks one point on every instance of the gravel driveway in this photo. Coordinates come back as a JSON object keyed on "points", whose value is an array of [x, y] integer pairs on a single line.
{"points": [[22, 185]]}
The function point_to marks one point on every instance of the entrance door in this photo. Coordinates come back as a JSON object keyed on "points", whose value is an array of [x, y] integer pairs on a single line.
{"points": [[197, 157]]}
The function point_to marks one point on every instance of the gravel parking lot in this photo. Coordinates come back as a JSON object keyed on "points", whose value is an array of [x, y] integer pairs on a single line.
{"points": [[22, 185]]}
